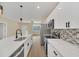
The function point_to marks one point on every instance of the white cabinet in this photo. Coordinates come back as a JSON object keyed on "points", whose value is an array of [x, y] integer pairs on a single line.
{"points": [[58, 16], [63, 15], [27, 46], [52, 52], [75, 15], [26, 49], [65, 12]]}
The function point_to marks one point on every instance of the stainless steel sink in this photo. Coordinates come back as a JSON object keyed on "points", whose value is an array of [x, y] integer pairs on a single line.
{"points": [[20, 39]]}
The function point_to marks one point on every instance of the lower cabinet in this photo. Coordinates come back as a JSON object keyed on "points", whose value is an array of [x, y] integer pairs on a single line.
{"points": [[27, 46], [24, 49], [19, 52], [52, 52]]}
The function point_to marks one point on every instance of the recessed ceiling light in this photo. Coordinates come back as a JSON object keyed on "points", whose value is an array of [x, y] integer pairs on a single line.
{"points": [[38, 6]]}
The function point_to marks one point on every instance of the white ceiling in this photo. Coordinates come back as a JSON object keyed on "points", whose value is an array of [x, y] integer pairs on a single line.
{"points": [[29, 10]]}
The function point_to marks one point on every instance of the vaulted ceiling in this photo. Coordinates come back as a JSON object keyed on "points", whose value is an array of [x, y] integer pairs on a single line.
{"points": [[29, 11]]}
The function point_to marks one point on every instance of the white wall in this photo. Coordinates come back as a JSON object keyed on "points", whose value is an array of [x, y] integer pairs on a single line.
{"points": [[1, 31], [12, 26], [66, 11]]}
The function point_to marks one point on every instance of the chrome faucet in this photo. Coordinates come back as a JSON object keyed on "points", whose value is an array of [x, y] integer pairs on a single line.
{"points": [[18, 31]]}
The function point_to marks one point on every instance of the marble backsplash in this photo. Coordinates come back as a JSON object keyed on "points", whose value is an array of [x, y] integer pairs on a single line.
{"points": [[67, 34]]}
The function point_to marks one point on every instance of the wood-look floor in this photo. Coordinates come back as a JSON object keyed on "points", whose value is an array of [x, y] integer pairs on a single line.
{"points": [[37, 50]]}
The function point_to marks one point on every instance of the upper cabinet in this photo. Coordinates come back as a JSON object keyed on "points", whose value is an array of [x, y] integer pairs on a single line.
{"points": [[65, 14]]}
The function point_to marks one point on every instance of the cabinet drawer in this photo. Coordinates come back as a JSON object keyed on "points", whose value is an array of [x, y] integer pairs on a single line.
{"points": [[52, 52], [56, 53]]}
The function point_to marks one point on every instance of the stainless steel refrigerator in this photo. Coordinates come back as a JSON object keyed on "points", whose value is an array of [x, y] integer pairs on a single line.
{"points": [[46, 29]]}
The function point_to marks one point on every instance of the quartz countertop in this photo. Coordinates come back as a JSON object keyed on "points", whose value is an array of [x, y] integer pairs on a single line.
{"points": [[66, 49], [9, 46]]}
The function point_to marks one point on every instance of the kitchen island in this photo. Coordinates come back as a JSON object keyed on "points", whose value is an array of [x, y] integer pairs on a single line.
{"points": [[9, 46]]}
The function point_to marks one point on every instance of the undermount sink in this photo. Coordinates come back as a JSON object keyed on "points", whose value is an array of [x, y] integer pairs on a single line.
{"points": [[20, 39]]}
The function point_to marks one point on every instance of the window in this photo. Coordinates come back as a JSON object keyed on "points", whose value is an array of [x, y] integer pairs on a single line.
{"points": [[36, 27]]}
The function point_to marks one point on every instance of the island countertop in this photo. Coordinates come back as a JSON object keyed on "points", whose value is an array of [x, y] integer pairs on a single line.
{"points": [[9, 46], [66, 49]]}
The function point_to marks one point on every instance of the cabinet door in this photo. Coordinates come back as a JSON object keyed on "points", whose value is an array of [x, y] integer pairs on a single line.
{"points": [[52, 52], [30, 43], [75, 15], [56, 53], [26, 48], [58, 16], [66, 12], [30, 40]]}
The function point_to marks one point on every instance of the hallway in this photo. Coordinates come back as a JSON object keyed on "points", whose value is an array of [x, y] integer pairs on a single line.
{"points": [[37, 50]]}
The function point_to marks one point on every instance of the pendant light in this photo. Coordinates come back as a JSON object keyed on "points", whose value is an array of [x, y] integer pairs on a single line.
{"points": [[21, 6], [21, 17]]}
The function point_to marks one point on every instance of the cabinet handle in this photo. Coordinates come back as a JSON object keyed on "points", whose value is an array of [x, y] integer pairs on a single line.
{"points": [[28, 44], [66, 24], [55, 53]]}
